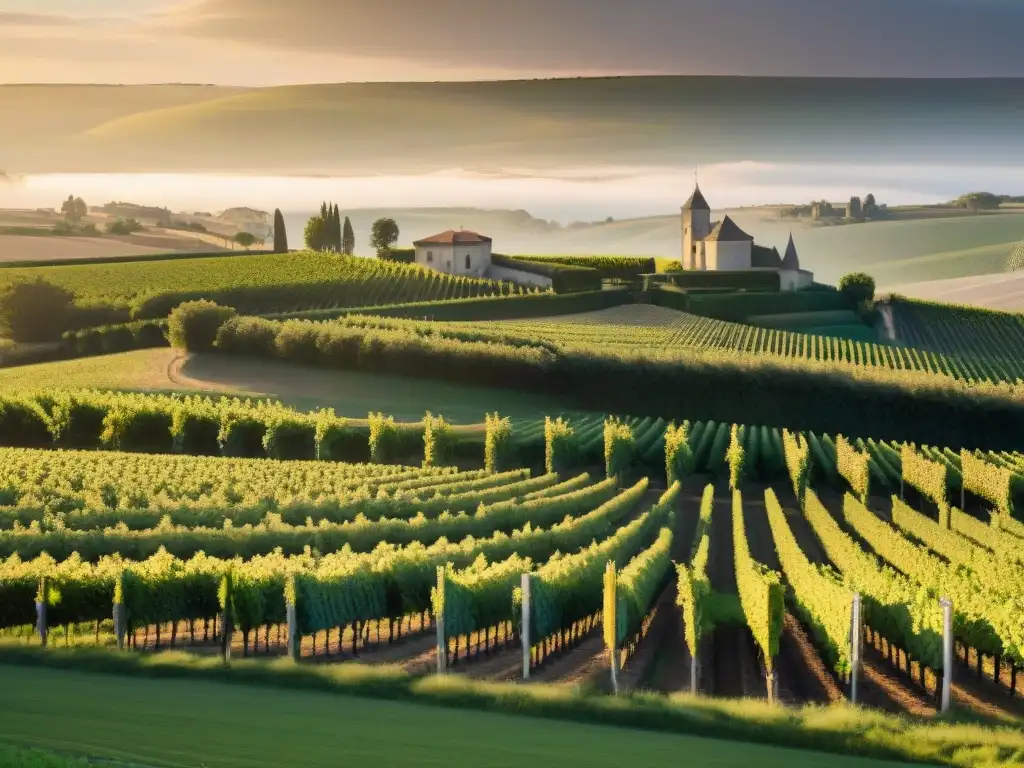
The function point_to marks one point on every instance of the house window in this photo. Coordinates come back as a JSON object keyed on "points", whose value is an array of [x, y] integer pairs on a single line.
{"points": [[430, 255], [469, 263]]}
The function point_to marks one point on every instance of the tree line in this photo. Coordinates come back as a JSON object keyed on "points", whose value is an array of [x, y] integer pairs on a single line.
{"points": [[327, 232]]}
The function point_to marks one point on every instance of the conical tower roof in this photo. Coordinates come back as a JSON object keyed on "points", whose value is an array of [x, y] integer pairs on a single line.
{"points": [[790, 260], [696, 202]]}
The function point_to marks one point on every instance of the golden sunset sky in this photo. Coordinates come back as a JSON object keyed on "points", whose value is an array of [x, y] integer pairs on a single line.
{"points": [[273, 42]]}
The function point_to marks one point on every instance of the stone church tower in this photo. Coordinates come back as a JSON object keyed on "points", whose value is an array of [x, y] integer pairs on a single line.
{"points": [[696, 216]]}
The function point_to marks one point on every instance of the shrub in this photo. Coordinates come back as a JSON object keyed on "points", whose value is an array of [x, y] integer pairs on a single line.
{"points": [[297, 342], [339, 440], [149, 334], [35, 311], [195, 429], [88, 342], [619, 445], [439, 442], [194, 325], [385, 442], [678, 454], [497, 443], [858, 287], [561, 449], [242, 434], [23, 424], [338, 347], [291, 437], [117, 338], [136, 427], [76, 423], [252, 336], [123, 227]]}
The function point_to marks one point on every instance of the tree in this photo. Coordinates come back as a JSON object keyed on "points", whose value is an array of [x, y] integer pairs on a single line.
{"points": [[979, 201], [35, 311], [858, 287], [245, 239], [383, 235], [123, 227], [348, 238], [280, 235], [74, 209], [336, 229], [315, 233]]}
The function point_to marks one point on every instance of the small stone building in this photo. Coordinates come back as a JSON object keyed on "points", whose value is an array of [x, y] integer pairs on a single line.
{"points": [[455, 252]]}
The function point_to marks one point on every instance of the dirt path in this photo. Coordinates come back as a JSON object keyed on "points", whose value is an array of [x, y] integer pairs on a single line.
{"points": [[661, 661]]}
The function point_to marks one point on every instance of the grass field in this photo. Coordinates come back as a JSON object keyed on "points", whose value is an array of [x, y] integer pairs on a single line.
{"points": [[351, 393], [22, 248], [176, 723]]}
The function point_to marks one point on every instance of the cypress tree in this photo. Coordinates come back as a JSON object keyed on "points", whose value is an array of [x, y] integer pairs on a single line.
{"points": [[348, 238], [280, 235], [336, 231]]}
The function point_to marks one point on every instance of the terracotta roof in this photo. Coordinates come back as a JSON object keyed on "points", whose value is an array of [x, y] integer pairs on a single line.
{"points": [[454, 237], [696, 202], [762, 257], [790, 260], [728, 232]]}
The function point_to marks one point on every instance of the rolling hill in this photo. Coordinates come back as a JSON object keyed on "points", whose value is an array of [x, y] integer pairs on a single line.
{"points": [[360, 127]]}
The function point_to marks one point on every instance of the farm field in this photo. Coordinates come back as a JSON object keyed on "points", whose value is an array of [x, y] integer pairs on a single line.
{"points": [[44, 248], [185, 723], [1002, 291]]}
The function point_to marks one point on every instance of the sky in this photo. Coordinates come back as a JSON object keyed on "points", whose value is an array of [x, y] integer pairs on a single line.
{"points": [[277, 42]]}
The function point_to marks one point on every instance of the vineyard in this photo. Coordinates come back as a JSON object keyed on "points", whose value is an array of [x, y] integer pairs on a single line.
{"points": [[953, 330], [664, 334], [257, 284], [776, 534]]}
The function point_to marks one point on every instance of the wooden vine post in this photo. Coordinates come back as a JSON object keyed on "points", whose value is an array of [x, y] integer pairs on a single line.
{"points": [[947, 650], [294, 641], [227, 621], [442, 642], [856, 636], [120, 613], [41, 627], [525, 630]]}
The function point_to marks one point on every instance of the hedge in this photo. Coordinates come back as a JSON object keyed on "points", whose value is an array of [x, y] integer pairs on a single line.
{"points": [[800, 395], [481, 308], [610, 267], [736, 307], [564, 278], [739, 280]]}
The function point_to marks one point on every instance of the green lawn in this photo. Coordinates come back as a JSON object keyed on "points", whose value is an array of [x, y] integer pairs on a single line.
{"points": [[351, 393], [186, 723]]}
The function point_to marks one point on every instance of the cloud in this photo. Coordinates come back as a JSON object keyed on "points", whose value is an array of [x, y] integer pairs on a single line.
{"points": [[17, 19], [783, 37]]}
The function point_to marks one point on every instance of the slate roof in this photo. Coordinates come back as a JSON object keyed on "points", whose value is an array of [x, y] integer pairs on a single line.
{"points": [[790, 260], [454, 237], [728, 231], [696, 202], [763, 257]]}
